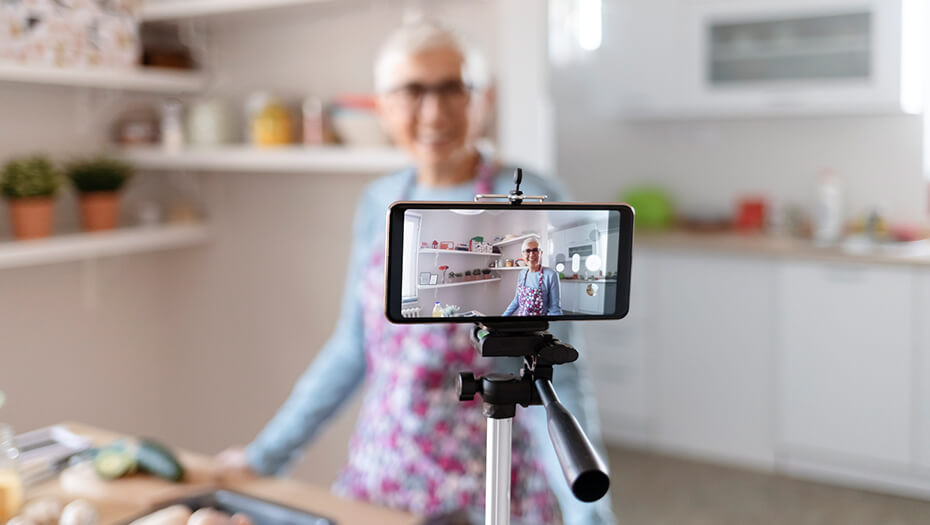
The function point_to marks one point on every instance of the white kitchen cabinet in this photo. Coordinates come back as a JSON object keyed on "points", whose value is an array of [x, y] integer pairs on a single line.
{"points": [[683, 59], [712, 355], [569, 293], [591, 304], [922, 412], [617, 353], [845, 363]]}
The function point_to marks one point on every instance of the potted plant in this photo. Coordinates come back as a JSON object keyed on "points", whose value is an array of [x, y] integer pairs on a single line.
{"points": [[477, 273], [30, 185], [98, 180], [468, 275]]}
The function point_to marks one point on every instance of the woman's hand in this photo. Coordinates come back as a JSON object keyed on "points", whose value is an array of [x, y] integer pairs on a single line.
{"points": [[233, 464]]}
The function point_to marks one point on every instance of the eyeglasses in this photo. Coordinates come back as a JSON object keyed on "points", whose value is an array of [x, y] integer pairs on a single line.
{"points": [[453, 93], [531, 250]]}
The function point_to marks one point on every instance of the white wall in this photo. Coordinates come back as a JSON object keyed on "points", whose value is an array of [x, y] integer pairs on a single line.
{"points": [[80, 341]]}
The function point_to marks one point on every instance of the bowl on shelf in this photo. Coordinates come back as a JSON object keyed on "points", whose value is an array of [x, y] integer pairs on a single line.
{"points": [[358, 128]]}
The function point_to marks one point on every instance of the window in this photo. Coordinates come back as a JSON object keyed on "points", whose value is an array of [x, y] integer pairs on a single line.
{"points": [[411, 250]]}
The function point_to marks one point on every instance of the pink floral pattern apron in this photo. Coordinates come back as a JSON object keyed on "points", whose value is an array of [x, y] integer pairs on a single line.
{"points": [[530, 300], [416, 446]]}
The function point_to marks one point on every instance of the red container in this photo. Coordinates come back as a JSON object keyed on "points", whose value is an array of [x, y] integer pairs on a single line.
{"points": [[751, 212]]}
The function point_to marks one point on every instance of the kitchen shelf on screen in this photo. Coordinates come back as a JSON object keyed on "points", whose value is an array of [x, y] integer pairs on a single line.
{"points": [[153, 10], [147, 80], [80, 246], [450, 285], [512, 240], [284, 159], [426, 251]]}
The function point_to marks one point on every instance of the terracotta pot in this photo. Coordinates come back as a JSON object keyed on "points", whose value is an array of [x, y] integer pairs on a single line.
{"points": [[99, 210], [32, 217]]}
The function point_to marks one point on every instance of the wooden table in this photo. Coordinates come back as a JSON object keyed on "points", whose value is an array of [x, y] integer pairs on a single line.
{"points": [[122, 499]]}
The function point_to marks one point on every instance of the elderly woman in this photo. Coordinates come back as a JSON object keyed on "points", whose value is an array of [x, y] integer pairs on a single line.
{"points": [[537, 287], [416, 446]]}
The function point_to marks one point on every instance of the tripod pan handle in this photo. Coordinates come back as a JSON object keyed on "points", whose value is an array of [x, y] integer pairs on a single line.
{"points": [[584, 470]]}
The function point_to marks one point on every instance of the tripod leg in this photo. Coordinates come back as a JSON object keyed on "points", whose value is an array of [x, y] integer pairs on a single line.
{"points": [[497, 486]]}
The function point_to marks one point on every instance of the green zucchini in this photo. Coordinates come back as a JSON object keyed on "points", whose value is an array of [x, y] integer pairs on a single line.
{"points": [[113, 463], [158, 460]]}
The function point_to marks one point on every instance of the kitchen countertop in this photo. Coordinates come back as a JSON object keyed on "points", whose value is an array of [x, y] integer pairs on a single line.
{"points": [[287, 492], [772, 247]]}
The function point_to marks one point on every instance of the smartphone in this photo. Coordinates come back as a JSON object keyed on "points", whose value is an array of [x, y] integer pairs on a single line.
{"points": [[456, 262]]}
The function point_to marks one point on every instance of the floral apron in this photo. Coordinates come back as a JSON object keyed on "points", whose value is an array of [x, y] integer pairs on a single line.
{"points": [[530, 299], [416, 446]]}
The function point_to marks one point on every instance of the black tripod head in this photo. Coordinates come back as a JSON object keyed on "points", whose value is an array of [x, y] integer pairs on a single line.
{"points": [[584, 470]]}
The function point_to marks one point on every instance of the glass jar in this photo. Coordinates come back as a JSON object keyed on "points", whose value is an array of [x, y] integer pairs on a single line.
{"points": [[11, 483]]}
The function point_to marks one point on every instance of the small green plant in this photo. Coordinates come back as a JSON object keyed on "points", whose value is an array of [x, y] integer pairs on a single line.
{"points": [[99, 174], [27, 177]]}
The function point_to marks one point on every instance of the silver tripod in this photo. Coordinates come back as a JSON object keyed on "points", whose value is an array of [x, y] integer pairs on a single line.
{"points": [[583, 469], [497, 472]]}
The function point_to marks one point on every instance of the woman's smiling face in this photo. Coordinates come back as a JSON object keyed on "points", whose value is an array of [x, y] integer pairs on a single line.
{"points": [[426, 111], [532, 254]]}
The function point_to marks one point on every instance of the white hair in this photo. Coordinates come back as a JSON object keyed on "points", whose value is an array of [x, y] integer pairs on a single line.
{"points": [[426, 35], [527, 243]]}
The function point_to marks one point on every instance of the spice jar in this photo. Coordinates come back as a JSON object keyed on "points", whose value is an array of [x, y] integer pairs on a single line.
{"points": [[269, 121]]}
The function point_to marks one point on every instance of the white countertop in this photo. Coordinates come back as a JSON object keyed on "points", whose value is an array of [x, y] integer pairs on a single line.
{"points": [[783, 247]]}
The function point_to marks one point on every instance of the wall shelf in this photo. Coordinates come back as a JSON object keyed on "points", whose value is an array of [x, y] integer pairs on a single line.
{"points": [[430, 251], [450, 285], [285, 159], [516, 239], [149, 80], [80, 246], [153, 10]]}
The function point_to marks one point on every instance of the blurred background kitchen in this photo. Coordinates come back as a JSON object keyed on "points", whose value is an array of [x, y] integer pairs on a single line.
{"points": [[776, 361]]}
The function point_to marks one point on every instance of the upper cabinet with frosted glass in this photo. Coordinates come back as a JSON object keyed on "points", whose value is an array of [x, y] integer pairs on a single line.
{"points": [[727, 58]]}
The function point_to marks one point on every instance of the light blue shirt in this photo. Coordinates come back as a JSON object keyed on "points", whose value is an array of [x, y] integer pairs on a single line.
{"points": [[339, 369], [551, 300]]}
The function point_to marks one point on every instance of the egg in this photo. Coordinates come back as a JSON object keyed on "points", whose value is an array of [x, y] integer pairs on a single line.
{"points": [[173, 515], [79, 512], [43, 511]]}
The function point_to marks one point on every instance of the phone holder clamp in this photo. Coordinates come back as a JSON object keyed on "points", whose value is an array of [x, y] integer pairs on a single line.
{"points": [[516, 196]]}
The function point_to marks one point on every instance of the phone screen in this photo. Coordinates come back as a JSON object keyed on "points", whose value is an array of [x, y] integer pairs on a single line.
{"points": [[457, 262]]}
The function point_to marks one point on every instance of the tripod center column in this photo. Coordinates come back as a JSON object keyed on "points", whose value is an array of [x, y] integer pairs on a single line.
{"points": [[497, 488]]}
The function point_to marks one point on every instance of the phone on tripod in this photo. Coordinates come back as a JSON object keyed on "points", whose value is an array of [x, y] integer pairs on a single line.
{"points": [[510, 268], [496, 262]]}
